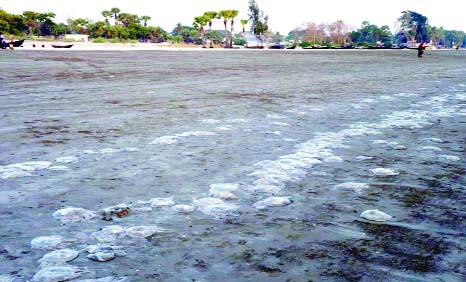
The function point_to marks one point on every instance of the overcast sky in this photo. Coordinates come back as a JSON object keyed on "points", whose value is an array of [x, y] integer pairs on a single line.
{"points": [[284, 15]]}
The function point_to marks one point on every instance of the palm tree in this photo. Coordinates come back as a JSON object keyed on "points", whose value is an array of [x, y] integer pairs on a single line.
{"points": [[225, 14], [233, 15], [145, 19], [106, 15], [210, 16], [81, 23], [200, 22], [244, 23], [115, 12], [30, 18]]}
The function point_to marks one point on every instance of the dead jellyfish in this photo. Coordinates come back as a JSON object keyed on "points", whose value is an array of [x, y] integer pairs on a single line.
{"points": [[431, 148], [272, 202], [375, 215], [102, 256], [384, 171], [450, 158], [58, 273], [109, 233], [66, 160], [161, 202], [223, 191], [59, 168], [202, 202], [47, 242], [355, 186], [140, 232], [183, 208], [219, 210], [333, 159], [71, 214], [59, 257]]}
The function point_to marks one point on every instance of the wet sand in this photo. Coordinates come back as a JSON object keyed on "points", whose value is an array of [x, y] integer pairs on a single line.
{"points": [[336, 133]]}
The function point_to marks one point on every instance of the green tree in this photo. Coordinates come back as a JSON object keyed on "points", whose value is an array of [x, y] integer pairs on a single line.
{"points": [[413, 25], [81, 24], [115, 12], [106, 15], [225, 14], [30, 19], [199, 23], [259, 21], [210, 16], [45, 23], [232, 16], [244, 22], [145, 19]]}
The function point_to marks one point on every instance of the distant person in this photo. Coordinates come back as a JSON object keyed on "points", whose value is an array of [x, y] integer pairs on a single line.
{"points": [[420, 49], [457, 47], [12, 40], [2, 41]]}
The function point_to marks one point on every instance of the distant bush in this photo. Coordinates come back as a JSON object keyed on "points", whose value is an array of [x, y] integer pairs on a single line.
{"points": [[115, 40], [239, 41], [99, 40], [305, 44]]}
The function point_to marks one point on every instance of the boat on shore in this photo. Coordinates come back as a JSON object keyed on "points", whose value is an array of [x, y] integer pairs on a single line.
{"points": [[62, 46], [18, 43]]}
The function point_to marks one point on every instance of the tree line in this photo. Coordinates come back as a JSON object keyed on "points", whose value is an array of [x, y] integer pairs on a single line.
{"points": [[117, 26], [412, 28]]}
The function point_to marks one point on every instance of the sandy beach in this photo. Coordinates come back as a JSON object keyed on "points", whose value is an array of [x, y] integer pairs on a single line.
{"points": [[90, 46]]}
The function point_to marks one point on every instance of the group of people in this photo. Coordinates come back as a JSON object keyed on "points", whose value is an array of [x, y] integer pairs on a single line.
{"points": [[3, 41]]}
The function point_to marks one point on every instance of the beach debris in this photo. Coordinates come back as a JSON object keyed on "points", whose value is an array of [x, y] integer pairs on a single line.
{"points": [[58, 273], [384, 171], [121, 210], [355, 186], [272, 202], [109, 233], [58, 257], [71, 214], [66, 160], [47, 242], [183, 208], [161, 202], [375, 215], [223, 191], [140, 232]]}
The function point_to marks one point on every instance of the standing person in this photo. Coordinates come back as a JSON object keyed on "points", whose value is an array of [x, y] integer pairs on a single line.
{"points": [[2, 41], [12, 39], [420, 49]]}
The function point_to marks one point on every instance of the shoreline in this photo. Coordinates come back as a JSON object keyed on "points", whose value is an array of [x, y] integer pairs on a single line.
{"points": [[90, 46]]}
